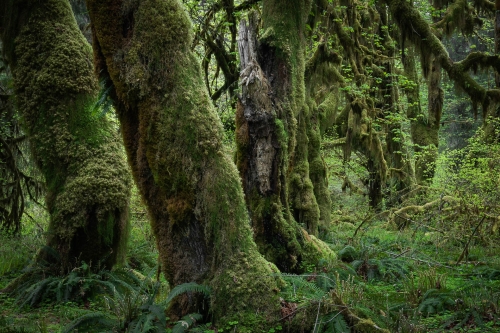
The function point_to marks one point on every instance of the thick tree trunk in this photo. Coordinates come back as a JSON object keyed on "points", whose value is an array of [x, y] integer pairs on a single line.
{"points": [[266, 136], [174, 144], [74, 147]]}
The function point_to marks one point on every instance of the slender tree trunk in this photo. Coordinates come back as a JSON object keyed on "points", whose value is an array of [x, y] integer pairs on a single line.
{"points": [[427, 139], [73, 145], [401, 174], [491, 127], [419, 126], [175, 147], [268, 136]]}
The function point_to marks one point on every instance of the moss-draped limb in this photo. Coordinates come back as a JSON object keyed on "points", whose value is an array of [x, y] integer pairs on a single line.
{"points": [[414, 28], [459, 15], [75, 148], [175, 147]]}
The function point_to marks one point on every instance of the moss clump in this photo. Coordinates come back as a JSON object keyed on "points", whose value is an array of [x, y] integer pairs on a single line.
{"points": [[76, 150]]}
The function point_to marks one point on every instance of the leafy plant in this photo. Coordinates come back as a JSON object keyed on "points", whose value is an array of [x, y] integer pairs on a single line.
{"points": [[386, 268], [136, 311], [435, 301], [81, 282]]}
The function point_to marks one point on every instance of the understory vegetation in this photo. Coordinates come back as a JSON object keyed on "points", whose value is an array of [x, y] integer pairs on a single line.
{"points": [[325, 166], [433, 269]]}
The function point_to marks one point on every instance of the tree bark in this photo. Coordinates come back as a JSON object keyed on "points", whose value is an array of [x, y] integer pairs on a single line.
{"points": [[75, 148], [174, 145], [268, 136]]}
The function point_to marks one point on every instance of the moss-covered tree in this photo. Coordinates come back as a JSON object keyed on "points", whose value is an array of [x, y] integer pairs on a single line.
{"points": [[273, 129], [75, 148], [174, 144]]}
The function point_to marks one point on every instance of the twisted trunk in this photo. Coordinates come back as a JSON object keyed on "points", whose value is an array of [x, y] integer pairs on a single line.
{"points": [[272, 139], [75, 148], [174, 145]]}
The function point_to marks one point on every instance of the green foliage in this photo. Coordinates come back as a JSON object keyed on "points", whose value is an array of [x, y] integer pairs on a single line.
{"points": [[35, 287], [299, 289], [136, 311], [188, 287], [435, 301], [387, 268], [187, 322], [348, 254], [333, 323]]}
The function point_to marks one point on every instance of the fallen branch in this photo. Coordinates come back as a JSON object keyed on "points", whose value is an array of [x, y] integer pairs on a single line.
{"points": [[466, 248]]}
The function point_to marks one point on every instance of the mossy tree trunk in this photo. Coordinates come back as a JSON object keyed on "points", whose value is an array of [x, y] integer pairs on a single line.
{"points": [[174, 144], [401, 174], [490, 124], [418, 120], [73, 145], [427, 141], [272, 139]]}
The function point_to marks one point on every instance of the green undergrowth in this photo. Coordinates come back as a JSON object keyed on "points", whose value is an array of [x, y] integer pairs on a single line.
{"points": [[399, 280], [404, 280]]}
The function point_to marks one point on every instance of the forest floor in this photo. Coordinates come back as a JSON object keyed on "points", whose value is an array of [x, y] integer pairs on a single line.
{"points": [[406, 279]]}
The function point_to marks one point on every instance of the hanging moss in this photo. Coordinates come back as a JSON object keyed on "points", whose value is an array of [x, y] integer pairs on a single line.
{"points": [[73, 145], [415, 29]]}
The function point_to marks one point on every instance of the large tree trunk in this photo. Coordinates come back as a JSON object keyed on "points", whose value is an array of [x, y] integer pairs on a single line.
{"points": [[268, 137], [75, 147], [174, 144]]}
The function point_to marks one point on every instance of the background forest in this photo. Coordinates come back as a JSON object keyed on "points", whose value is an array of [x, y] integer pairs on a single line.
{"points": [[249, 166]]}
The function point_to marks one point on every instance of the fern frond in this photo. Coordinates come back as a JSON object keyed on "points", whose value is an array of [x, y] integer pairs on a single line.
{"points": [[186, 322], [300, 287], [435, 301], [188, 287], [334, 323], [90, 322]]}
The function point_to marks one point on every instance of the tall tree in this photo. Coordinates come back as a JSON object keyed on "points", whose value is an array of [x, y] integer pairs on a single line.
{"points": [[75, 148], [174, 145], [272, 123]]}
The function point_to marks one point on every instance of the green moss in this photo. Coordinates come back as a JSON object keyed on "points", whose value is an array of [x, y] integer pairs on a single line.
{"points": [[194, 196], [75, 148], [239, 286], [281, 132]]}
